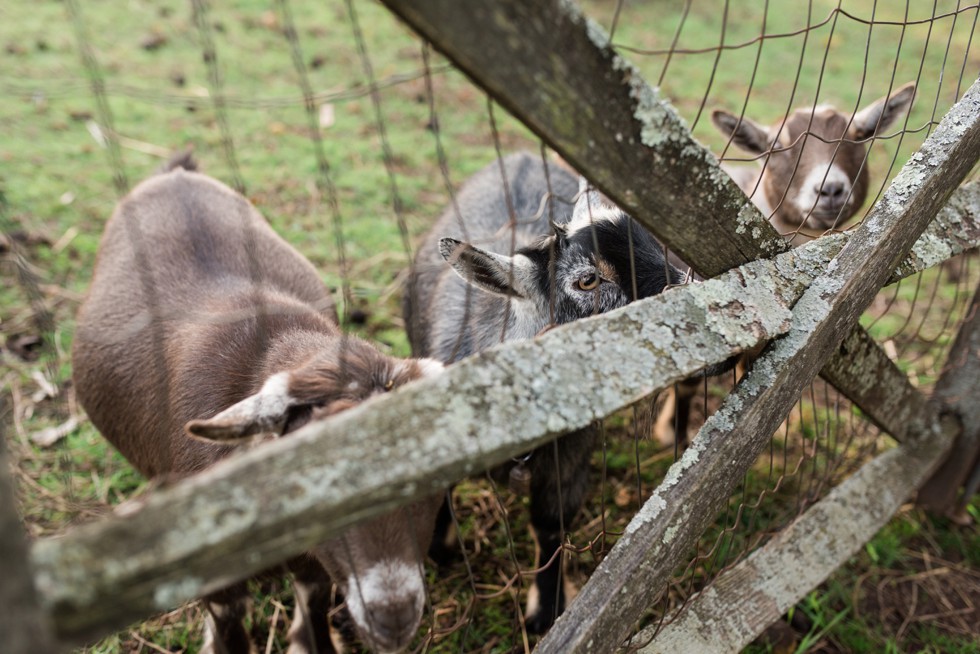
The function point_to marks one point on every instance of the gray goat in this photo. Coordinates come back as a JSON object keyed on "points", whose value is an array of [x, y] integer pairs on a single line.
{"points": [[815, 172], [512, 280], [201, 320]]}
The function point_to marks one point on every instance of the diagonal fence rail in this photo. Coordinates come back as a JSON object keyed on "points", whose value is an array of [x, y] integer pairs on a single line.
{"points": [[631, 578], [803, 555]]}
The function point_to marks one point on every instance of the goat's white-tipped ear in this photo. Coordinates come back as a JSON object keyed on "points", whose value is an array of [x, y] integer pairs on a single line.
{"points": [[264, 412], [882, 113], [744, 133], [492, 272]]}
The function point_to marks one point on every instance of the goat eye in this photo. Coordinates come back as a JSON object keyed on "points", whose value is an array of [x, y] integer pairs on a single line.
{"points": [[588, 282], [390, 384]]}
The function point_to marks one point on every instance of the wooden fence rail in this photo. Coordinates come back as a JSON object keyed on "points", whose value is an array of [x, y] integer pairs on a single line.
{"points": [[803, 555]]}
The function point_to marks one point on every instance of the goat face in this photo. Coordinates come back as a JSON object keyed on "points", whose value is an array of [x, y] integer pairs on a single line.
{"points": [[815, 174], [598, 261], [378, 566], [378, 563]]}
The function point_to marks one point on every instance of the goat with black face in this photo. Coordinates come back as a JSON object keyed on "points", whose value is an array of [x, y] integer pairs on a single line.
{"points": [[495, 273]]}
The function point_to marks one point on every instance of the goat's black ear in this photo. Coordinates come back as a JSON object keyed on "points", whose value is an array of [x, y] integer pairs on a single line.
{"points": [[744, 133], [489, 271], [882, 113]]}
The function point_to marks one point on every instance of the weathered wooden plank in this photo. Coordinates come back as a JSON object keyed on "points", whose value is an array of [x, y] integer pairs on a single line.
{"points": [[861, 369], [73, 589], [639, 566], [955, 230], [801, 556], [552, 68], [24, 627], [958, 394], [874, 381]]}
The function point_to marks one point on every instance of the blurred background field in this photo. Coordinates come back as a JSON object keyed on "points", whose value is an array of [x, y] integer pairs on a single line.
{"points": [[153, 63]]}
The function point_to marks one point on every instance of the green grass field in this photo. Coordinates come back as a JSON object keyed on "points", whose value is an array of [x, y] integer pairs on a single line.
{"points": [[56, 179]]}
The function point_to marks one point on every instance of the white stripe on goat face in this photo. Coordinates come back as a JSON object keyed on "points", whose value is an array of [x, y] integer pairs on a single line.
{"points": [[385, 583], [808, 198]]}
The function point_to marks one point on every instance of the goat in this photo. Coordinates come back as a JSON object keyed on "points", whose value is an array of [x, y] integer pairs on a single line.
{"points": [[526, 276], [815, 174], [201, 321], [814, 177]]}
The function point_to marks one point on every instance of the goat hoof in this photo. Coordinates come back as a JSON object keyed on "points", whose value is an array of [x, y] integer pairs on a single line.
{"points": [[539, 623]]}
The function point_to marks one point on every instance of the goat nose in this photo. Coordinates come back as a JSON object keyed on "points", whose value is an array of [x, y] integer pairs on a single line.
{"points": [[831, 190], [394, 625]]}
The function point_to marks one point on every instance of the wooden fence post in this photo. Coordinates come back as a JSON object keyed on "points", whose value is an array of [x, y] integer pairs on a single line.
{"points": [[23, 625], [958, 394]]}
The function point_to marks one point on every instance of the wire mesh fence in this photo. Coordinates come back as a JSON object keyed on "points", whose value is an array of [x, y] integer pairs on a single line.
{"points": [[352, 135]]}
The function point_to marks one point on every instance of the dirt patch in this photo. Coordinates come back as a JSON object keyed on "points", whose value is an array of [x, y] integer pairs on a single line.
{"points": [[935, 593]]}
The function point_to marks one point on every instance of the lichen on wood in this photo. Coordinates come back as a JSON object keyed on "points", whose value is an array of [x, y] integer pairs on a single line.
{"points": [[272, 502]]}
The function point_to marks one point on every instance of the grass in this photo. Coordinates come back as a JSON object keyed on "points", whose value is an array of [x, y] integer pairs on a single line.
{"points": [[911, 590], [58, 190]]}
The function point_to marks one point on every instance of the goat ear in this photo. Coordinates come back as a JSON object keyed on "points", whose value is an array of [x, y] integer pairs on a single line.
{"points": [[589, 209], [744, 133], [494, 273], [264, 412], [882, 113]]}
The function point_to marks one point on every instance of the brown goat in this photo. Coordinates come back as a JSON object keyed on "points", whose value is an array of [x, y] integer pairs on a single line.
{"points": [[815, 172], [201, 320]]}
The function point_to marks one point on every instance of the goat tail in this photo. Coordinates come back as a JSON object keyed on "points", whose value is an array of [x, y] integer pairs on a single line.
{"points": [[183, 160]]}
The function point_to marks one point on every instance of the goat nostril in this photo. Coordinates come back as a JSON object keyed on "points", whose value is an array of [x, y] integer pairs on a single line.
{"points": [[832, 190], [395, 625]]}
